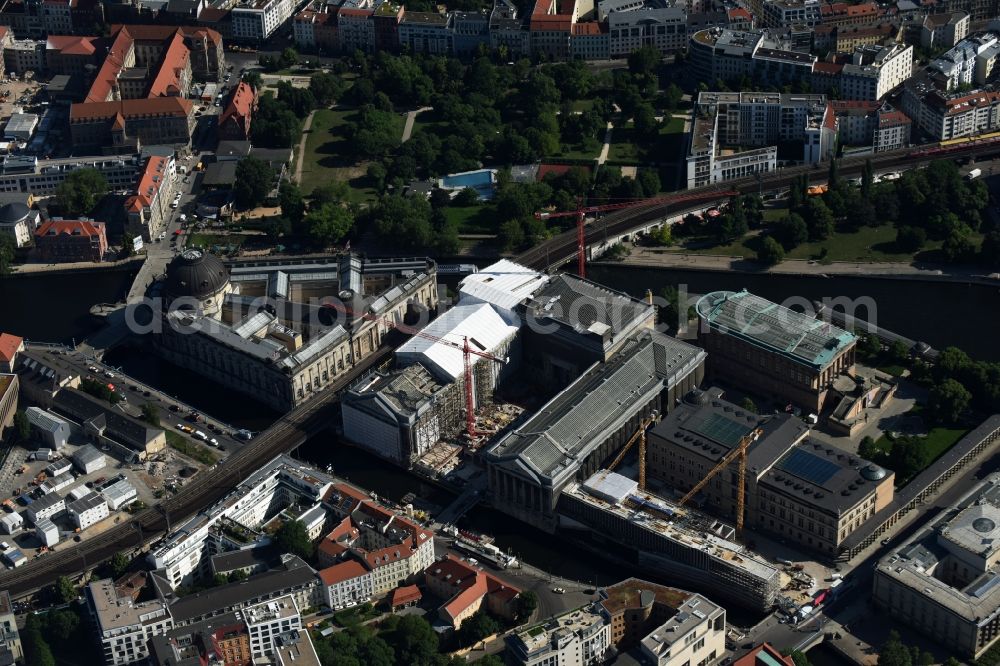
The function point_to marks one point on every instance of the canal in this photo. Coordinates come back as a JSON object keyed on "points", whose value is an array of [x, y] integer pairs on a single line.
{"points": [[938, 313], [51, 307]]}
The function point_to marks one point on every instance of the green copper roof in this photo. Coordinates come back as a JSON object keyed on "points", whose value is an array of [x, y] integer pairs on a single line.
{"points": [[773, 327]]}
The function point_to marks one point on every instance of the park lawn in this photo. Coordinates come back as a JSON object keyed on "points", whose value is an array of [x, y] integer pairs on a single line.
{"points": [[937, 442], [578, 151], [472, 219], [865, 244], [210, 240], [582, 104], [623, 148], [429, 121], [326, 160]]}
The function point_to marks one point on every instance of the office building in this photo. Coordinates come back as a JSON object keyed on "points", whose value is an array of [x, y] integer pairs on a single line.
{"points": [[729, 55], [267, 621], [944, 30], [771, 350], [254, 21], [123, 626], [945, 116], [124, 125], [735, 135], [968, 62]]}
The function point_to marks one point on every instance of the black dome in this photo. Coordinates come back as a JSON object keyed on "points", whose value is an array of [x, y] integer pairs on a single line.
{"points": [[196, 273], [13, 213]]}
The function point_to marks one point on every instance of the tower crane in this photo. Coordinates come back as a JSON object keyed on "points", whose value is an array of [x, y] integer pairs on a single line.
{"points": [[740, 450], [467, 353], [639, 435], [581, 213]]}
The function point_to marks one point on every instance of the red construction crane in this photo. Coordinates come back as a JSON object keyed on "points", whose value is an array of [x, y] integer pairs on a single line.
{"points": [[467, 352], [581, 214]]}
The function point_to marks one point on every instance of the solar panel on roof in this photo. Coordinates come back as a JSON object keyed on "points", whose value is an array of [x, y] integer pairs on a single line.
{"points": [[719, 429], [808, 466]]}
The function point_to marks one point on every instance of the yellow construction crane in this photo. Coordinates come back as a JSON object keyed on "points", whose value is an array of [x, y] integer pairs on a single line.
{"points": [[739, 450], [639, 435]]}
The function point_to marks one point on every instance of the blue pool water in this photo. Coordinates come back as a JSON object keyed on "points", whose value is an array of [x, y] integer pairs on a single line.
{"points": [[480, 181]]}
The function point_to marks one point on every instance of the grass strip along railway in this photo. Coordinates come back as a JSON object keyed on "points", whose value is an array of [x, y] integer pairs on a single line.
{"points": [[562, 247], [207, 488]]}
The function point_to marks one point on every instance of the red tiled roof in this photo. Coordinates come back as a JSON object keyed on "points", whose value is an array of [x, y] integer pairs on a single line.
{"points": [[3, 31], [342, 571], [589, 28], [830, 118], [71, 44], [152, 179], [738, 13], [892, 118], [161, 33], [355, 13], [846, 105], [174, 62], [70, 228], [114, 63], [752, 658], [9, 345], [131, 108], [405, 595], [831, 68], [470, 583]]}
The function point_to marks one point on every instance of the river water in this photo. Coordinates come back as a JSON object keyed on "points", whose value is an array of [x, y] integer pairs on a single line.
{"points": [[938, 313]]}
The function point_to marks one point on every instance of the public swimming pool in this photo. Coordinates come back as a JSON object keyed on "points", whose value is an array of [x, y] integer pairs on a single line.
{"points": [[481, 181]]}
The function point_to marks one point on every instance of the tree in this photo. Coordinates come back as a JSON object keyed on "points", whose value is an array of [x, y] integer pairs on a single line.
{"points": [[958, 247], [150, 414], [65, 589], [910, 239], [118, 563], [770, 253], [335, 193], [800, 658], [299, 100], [293, 206], [672, 97], [527, 602], [81, 190], [22, 427], [899, 351], [60, 624], [870, 346], [328, 224], [326, 88], [404, 220], [643, 60], [254, 179], [413, 640], [7, 251], [867, 178], [376, 133], [791, 231], [867, 448], [476, 628], [819, 219], [99, 390], [511, 235], [253, 78], [661, 236], [466, 197], [948, 400], [893, 652], [749, 405], [288, 58], [292, 537], [36, 650]]}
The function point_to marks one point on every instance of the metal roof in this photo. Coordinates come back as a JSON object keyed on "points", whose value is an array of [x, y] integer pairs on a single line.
{"points": [[504, 284], [484, 327], [43, 420], [776, 328]]}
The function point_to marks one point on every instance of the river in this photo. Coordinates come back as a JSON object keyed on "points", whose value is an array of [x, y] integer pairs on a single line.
{"points": [[52, 307], [938, 313]]}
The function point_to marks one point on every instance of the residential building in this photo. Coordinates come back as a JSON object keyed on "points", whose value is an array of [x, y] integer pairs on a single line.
{"points": [[129, 437], [10, 640], [221, 639], [471, 32], [757, 122], [185, 556], [945, 116], [550, 26], [267, 621], [148, 209], [124, 627], [121, 126], [256, 20], [9, 384], [664, 29], [466, 588], [249, 561], [591, 419], [944, 30], [234, 122], [970, 61], [48, 428], [590, 41], [730, 55], [786, 13], [393, 548], [88, 510], [875, 71], [893, 131], [942, 581], [346, 584], [10, 346], [71, 240], [746, 338], [425, 32], [30, 175]]}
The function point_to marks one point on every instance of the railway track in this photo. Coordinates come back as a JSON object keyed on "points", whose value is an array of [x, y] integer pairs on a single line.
{"points": [[206, 488], [562, 247]]}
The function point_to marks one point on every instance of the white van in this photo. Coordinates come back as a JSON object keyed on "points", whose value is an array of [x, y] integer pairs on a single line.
{"points": [[200, 435]]}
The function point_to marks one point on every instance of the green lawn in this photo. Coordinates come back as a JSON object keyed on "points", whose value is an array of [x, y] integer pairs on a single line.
{"points": [[326, 155], [936, 443], [582, 151], [189, 448], [472, 219], [623, 148]]}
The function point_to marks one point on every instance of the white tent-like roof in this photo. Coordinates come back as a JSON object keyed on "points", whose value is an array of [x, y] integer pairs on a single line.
{"points": [[485, 329], [503, 285]]}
